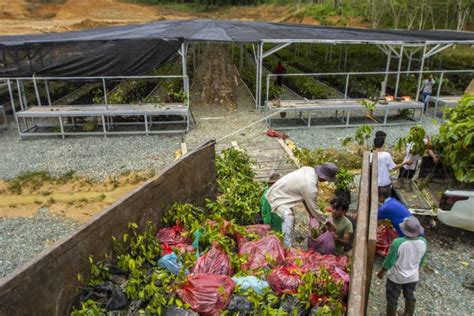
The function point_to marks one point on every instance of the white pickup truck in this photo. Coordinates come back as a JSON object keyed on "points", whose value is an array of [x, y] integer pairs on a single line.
{"points": [[440, 196]]}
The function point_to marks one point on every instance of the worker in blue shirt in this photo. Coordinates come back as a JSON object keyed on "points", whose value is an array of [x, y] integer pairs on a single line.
{"points": [[392, 210]]}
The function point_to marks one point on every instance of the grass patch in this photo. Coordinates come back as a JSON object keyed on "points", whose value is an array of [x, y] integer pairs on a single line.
{"points": [[35, 179]]}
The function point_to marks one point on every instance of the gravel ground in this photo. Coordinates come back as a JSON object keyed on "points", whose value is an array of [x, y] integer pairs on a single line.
{"points": [[332, 137], [439, 292], [23, 238], [95, 157]]}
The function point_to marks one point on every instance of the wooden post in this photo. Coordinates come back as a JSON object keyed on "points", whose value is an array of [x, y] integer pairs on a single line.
{"points": [[372, 231], [357, 288]]}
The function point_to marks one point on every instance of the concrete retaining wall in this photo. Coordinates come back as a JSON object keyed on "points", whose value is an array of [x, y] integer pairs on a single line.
{"points": [[48, 284]]}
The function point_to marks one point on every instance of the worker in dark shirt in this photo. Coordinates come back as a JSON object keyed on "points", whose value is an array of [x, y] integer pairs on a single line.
{"points": [[392, 210], [279, 70]]}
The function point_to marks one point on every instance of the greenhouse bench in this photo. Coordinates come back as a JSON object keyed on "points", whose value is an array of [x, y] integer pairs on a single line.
{"points": [[342, 109], [127, 117]]}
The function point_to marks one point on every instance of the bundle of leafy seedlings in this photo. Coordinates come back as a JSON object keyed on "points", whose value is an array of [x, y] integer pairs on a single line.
{"points": [[216, 260]]}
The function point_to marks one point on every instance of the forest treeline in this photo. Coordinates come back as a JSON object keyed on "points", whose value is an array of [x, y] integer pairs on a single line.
{"points": [[400, 14]]}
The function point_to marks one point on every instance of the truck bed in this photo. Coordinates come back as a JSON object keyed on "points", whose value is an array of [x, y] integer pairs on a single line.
{"points": [[424, 197]]}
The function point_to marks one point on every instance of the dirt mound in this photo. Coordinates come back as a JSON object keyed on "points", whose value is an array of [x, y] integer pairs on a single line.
{"points": [[13, 9], [105, 10]]}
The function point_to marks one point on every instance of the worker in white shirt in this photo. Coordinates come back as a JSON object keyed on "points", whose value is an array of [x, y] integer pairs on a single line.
{"points": [[405, 256], [427, 89], [298, 186], [385, 163]]}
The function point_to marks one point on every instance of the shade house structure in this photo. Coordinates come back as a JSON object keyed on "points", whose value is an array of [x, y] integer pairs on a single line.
{"points": [[96, 62]]}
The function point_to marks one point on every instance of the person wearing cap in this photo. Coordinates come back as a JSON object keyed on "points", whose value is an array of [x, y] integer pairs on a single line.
{"points": [[405, 256], [298, 186]]}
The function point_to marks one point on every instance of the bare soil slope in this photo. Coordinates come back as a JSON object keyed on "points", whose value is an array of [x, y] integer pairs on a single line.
{"points": [[24, 17]]}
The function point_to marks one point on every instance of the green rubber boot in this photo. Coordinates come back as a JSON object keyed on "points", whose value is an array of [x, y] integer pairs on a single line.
{"points": [[409, 309], [391, 310]]}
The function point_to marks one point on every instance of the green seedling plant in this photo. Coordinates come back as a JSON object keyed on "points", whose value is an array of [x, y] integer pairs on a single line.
{"points": [[274, 92], [361, 136], [239, 194], [344, 179], [416, 135], [455, 141], [89, 308], [136, 248]]}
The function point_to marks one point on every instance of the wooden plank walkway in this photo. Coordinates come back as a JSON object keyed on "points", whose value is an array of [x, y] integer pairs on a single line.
{"points": [[267, 154]]}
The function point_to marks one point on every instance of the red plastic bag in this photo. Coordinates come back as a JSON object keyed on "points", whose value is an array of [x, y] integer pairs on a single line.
{"points": [[178, 248], [312, 261], [215, 261], [385, 236], [258, 251], [285, 279], [259, 229], [272, 133], [324, 244], [207, 294], [173, 235]]}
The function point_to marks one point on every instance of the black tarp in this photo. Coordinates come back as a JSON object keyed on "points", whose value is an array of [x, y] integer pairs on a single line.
{"points": [[136, 49], [86, 58]]}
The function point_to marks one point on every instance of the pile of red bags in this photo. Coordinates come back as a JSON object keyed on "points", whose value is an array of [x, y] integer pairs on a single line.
{"points": [[312, 261], [385, 236], [174, 237], [285, 279], [259, 251], [207, 294], [215, 261]]}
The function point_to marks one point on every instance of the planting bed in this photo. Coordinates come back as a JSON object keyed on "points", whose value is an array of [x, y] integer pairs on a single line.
{"points": [[363, 58], [215, 260]]}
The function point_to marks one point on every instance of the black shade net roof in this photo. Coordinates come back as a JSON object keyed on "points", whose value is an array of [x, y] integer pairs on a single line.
{"points": [[137, 49], [240, 32]]}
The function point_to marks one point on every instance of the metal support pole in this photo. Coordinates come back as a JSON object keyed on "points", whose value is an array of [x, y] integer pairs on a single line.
{"points": [[38, 99], [268, 88], [241, 56], [104, 86], [260, 63], [346, 90], [400, 58], [61, 125], [12, 98], [184, 53], [440, 82], [104, 128], [257, 67], [23, 94], [410, 56], [47, 92], [387, 68], [18, 87], [420, 76], [345, 59], [194, 58]]}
